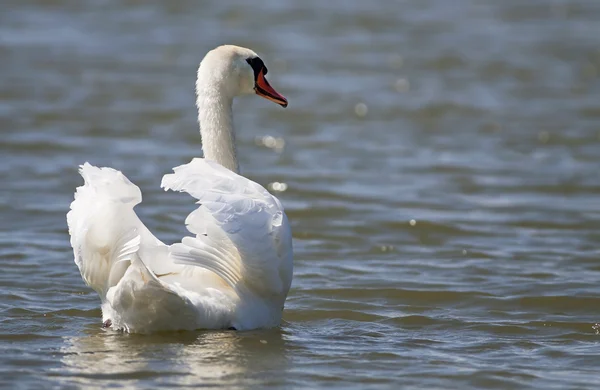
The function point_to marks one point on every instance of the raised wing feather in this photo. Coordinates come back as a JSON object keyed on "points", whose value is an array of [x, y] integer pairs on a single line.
{"points": [[241, 231], [103, 227], [105, 231]]}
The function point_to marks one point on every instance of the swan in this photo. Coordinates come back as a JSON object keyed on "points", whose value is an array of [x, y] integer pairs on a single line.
{"points": [[235, 269]]}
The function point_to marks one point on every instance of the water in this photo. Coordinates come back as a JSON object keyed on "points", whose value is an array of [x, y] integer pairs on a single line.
{"points": [[441, 161]]}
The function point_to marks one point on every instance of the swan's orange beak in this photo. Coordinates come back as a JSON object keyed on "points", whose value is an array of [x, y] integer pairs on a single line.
{"points": [[264, 89]]}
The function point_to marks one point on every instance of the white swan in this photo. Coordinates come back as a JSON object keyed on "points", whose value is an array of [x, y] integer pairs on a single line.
{"points": [[236, 269]]}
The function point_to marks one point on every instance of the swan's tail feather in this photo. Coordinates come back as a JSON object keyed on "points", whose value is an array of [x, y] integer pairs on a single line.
{"points": [[103, 226]]}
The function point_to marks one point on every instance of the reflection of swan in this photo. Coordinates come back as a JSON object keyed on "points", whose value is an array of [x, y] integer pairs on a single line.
{"points": [[237, 269], [229, 359]]}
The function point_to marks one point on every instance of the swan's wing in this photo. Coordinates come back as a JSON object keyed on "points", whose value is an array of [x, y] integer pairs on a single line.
{"points": [[241, 231], [105, 231]]}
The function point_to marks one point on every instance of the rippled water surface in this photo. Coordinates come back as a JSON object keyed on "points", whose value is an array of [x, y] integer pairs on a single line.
{"points": [[442, 167]]}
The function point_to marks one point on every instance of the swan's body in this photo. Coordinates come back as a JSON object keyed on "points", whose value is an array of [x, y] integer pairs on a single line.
{"points": [[236, 269]]}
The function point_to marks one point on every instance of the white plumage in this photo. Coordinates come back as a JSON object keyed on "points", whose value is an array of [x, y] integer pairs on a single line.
{"points": [[233, 272]]}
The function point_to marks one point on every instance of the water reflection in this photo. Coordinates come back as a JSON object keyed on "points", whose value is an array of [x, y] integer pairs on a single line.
{"points": [[195, 358]]}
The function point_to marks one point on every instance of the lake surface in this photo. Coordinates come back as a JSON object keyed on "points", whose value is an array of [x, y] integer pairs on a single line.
{"points": [[442, 163]]}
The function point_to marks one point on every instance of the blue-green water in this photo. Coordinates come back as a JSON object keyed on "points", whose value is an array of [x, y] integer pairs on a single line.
{"points": [[442, 168]]}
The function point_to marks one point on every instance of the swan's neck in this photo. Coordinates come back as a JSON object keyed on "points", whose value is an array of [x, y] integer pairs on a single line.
{"points": [[216, 127]]}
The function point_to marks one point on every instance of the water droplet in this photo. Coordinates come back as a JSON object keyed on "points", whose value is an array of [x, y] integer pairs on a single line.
{"points": [[278, 187], [361, 109], [402, 85], [412, 222], [386, 248], [268, 141]]}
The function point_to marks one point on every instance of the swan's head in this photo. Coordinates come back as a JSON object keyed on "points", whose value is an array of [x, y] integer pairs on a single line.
{"points": [[232, 70]]}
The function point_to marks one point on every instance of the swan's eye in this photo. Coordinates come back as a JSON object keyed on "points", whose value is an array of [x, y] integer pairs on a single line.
{"points": [[257, 65]]}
